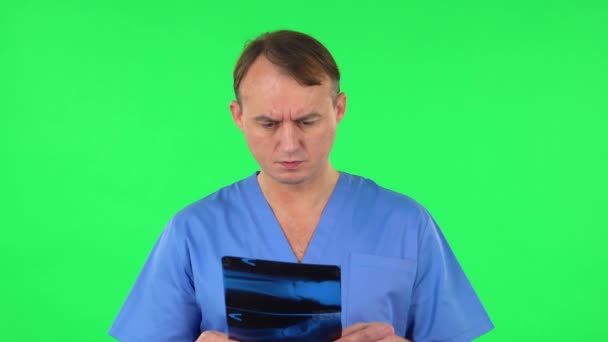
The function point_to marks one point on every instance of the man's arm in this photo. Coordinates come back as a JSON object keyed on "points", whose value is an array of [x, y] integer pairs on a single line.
{"points": [[444, 305], [162, 304]]}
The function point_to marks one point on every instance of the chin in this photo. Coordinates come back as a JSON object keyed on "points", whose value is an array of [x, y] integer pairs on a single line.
{"points": [[289, 178]]}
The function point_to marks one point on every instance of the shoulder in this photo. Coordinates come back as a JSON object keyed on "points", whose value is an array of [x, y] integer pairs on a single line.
{"points": [[366, 193], [211, 208]]}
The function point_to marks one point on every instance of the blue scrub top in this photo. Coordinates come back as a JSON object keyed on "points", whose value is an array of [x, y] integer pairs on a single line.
{"points": [[396, 265]]}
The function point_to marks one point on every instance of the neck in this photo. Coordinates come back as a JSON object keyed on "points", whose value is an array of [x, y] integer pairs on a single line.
{"points": [[303, 196]]}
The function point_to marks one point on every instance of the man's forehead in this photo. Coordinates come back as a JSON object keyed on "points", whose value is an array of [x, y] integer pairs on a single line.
{"points": [[284, 104], [261, 70], [284, 109], [277, 108], [268, 91], [284, 117], [263, 73]]}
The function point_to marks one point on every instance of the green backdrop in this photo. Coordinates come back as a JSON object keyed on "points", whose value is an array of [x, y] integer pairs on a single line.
{"points": [[114, 115]]}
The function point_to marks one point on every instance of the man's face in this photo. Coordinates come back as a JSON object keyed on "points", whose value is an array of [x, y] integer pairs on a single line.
{"points": [[289, 128]]}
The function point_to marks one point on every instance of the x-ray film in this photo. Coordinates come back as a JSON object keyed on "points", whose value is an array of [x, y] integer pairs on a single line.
{"points": [[278, 301]]}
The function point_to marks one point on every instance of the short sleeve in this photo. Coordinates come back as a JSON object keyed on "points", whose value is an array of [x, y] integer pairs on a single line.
{"points": [[444, 306], [161, 305]]}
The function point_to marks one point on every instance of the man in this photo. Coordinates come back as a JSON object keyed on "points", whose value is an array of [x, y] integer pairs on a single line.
{"points": [[400, 279]]}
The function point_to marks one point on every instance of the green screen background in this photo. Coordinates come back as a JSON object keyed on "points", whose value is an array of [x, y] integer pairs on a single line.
{"points": [[114, 115]]}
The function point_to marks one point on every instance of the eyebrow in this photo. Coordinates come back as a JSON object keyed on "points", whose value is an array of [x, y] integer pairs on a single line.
{"points": [[266, 118], [309, 116]]}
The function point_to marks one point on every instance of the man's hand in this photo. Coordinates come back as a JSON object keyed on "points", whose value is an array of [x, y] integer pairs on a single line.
{"points": [[213, 336], [370, 332]]}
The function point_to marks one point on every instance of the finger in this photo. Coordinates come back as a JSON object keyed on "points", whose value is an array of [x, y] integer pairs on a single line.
{"points": [[371, 332], [213, 336], [354, 328], [394, 338]]}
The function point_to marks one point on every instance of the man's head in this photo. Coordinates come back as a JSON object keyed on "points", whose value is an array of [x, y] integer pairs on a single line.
{"points": [[288, 104], [297, 54]]}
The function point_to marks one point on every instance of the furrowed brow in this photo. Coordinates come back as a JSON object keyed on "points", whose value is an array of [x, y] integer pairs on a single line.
{"points": [[310, 116], [264, 118]]}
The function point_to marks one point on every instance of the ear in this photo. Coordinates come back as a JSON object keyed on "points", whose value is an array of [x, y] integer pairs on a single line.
{"points": [[237, 113], [340, 107]]}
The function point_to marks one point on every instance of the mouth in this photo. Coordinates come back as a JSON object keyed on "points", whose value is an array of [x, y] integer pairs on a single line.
{"points": [[290, 164]]}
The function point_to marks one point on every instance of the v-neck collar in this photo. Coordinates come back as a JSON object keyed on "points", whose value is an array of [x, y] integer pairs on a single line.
{"points": [[276, 238]]}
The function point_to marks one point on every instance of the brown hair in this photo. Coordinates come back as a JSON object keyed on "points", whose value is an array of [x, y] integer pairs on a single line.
{"points": [[299, 55]]}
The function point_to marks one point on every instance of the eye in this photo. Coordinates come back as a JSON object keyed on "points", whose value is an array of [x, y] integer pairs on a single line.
{"points": [[307, 122], [268, 124]]}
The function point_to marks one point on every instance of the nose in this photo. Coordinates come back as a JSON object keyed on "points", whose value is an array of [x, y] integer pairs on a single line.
{"points": [[289, 139]]}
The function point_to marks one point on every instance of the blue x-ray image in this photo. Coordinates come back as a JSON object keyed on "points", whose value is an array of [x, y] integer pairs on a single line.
{"points": [[278, 301]]}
